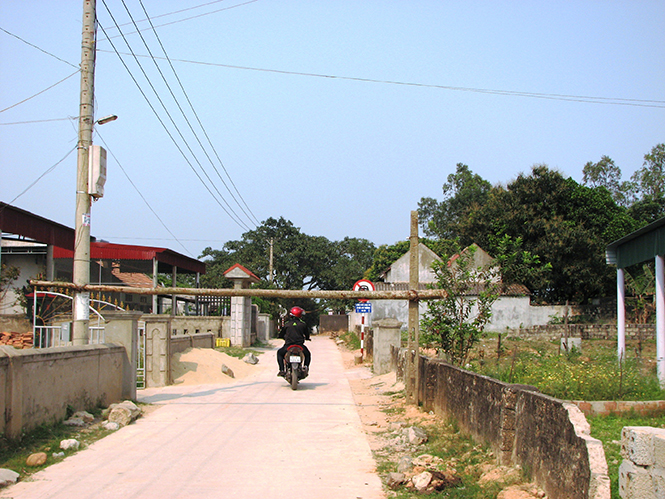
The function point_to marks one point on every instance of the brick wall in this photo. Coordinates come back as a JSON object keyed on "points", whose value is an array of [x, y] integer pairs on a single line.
{"points": [[585, 331]]}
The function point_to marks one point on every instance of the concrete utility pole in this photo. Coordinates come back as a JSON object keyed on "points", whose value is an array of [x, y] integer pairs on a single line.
{"points": [[413, 353], [81, 275]]}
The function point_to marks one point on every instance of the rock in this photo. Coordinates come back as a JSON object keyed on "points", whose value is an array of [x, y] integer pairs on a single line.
{"points": [[84, 415], [422, 481], [111, 425], [36, 459], [405, 464], [424, 460], [124, 412], [120, 415], [133, 408], [250, 358], [529, 491], [416, 436], [394, 480], [71, 443], [500, 474], [227, 370], [58, 454], [74, 422], [7, 477]]}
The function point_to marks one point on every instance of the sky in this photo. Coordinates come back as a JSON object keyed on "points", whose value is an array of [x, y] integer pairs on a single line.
{"points": [[336, 115]]}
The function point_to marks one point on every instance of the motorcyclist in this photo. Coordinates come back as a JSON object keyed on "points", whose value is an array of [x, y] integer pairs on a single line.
{"points": [[294, 332]]}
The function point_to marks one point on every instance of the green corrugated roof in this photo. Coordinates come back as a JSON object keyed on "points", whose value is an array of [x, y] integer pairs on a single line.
{"points": [[639, 246]]}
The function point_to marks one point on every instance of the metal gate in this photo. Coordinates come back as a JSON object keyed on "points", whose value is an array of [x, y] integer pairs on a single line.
{"points": [[140, 360]]}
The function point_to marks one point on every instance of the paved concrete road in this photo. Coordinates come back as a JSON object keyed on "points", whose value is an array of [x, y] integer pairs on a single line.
{"points": [[255, 438]]}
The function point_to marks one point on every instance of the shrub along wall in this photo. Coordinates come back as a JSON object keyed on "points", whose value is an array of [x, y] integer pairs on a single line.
{"points": [[549, 438]]}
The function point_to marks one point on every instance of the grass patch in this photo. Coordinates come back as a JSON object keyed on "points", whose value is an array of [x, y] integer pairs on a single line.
{"points": [[45, 438], [591, 374], [351, 340], [237, 352]]}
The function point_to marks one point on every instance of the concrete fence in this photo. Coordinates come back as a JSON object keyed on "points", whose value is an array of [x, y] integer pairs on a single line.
{"points": [[585, 331], [549, 438], [642, 472], [40, 386]]}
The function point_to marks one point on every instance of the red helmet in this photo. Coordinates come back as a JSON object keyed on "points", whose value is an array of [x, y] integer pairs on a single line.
{"points": [[296, 311]]}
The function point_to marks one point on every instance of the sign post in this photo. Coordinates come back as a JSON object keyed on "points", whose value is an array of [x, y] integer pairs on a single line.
{"points": [[363, 308]]}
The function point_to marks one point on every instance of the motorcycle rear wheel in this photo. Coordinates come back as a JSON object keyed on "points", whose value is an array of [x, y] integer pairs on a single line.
{"points": [[294, 376]]}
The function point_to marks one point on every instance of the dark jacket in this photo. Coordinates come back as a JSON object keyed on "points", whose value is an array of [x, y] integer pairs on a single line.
{"points": [[295, 331]]}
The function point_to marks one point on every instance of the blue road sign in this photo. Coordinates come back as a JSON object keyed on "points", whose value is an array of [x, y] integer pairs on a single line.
{"points": [[363, 308]]}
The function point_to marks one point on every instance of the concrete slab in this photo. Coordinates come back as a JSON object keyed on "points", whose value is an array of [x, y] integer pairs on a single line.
{"points": [[255, 438]]}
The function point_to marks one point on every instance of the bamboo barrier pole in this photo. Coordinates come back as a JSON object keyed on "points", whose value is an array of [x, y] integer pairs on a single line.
{"points": [[411, 294]]}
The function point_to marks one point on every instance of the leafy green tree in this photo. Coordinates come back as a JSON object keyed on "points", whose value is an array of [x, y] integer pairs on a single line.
{"points": [[650, 179], [455, 323], [516, 265], [641, 283], [566, 224], [300, 261], [606, 174], [463, 192]]}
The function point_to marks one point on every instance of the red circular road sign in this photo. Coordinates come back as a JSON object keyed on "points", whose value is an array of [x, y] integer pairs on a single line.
{"points": [[363, 285]]}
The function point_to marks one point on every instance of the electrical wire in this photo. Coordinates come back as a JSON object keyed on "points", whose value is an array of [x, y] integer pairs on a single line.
{"points": [[39, 48], [190, 127], [616, 101], [138, 191], [36, 121], [38, 93], [184, 19], [49, 170], [238, 222], [202, 128]]}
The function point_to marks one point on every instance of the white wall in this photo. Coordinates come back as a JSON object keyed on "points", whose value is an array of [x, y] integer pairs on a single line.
{"points": [[30, 266]]}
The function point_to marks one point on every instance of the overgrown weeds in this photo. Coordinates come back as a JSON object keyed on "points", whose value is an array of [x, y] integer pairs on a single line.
{"points": [[593, 373]]}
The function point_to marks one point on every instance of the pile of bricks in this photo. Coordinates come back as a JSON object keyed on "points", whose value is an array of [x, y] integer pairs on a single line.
{"points": [[16, 340]]}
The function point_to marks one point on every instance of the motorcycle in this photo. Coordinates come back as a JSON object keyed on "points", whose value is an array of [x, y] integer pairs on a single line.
{"points": [[294, 365]]}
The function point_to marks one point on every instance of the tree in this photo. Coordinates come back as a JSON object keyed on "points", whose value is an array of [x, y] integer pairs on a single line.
{"points": [[566, 224], [464, 191], [606, 174], [8, 274], [455, 323], [300, 261], [650, 179]]}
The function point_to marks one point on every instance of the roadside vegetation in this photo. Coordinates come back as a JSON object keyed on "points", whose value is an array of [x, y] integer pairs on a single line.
{"points": [[46, 438], [592, 373]]}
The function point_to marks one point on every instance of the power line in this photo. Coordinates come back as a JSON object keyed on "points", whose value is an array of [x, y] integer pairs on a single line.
{"points": [[202, 128], [39, 48], [616, 101], [37, 121], [184, 19], [38, 93], [171, 118], [49, 170], [138, 191], [190, 127], [238, 222]]}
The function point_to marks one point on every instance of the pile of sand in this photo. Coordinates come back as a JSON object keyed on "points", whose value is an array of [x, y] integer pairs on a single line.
{"points": [[200, 366]]}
